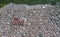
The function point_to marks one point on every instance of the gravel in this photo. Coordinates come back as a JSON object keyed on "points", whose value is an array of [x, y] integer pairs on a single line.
{"points": [[39, 19]]}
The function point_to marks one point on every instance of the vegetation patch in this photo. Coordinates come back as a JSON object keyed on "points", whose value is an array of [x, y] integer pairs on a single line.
{"points": [[29, 2]]}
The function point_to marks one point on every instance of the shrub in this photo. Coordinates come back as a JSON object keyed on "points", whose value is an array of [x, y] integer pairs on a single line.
{"points": [[53, 3]]}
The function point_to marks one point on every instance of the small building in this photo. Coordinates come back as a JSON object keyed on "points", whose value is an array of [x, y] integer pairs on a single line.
{"points": [[16, 21]]}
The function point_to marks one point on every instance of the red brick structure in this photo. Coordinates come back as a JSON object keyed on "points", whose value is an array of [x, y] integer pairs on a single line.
{"points": [[16, 21]]}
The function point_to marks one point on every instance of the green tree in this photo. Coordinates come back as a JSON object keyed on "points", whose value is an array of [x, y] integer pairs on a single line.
{"points": [[41, 35]]}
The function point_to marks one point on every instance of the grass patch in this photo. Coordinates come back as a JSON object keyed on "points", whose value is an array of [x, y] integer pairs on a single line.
{"points": [[1, 5]]}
